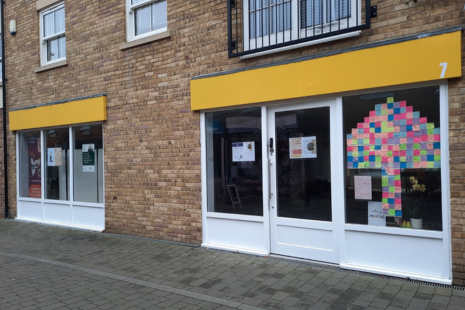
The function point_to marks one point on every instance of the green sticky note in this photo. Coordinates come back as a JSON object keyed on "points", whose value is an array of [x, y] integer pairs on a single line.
{"points": [[372, 130], [403, 147], [430, 126], [392, 189], [397, 178], [384, 177], [355, 154], [366, 153], [430, 164], [403, 159], [378, 165], [416, 158], [389, 153], [385, 183], [354, 142], [437, 157], [390, 99], [385, 112], [378, 159], [367, 164], [423, 152], [384, 124], [372, 147], [392, 212], [430, 131], [416, 146], [384, 200], [366, 141]]}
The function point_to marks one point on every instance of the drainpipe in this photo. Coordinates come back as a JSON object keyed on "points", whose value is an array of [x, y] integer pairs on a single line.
{"points": [[5, 150]]}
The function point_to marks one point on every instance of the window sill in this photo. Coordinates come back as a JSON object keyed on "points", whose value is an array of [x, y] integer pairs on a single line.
{"points": [[152, 38], [309, 43], [51, 66]]}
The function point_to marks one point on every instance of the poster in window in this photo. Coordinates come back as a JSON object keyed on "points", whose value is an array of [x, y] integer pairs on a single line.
{"points": [[376, 216], [243, 151], [54, 157], [88, 158], [35, 190], [362, 187], [302, 147]]}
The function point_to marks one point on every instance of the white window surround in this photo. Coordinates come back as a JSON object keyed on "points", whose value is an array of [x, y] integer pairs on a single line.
{"points": [[131, 12], [296, 31], [45, 39], [258, 244]]}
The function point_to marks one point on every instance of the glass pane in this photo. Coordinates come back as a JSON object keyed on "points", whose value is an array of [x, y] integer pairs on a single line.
{"points": [[143, 20], [62, 47], [48, 25], [338, 9], [393, 158], [57, 162], [52, 49], [281, 16], [159, 15], [88, 164], [303, 164], [59, 20], [29, 159], [136, 1], [311, 13], [234, 162]]}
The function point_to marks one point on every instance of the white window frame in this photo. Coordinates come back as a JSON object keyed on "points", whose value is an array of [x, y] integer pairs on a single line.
{"points": [[296, 31], [44, 40], [131, 19]]}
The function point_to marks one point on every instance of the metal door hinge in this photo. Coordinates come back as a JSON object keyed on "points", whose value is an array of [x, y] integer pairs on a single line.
{"points": [[373, 11]]}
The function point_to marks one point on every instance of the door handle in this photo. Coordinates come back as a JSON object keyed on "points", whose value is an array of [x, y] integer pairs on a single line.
{"points": [[271, 146]]}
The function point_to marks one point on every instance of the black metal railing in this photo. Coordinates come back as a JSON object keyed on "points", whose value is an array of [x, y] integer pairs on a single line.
{"points": [[260, 25]]}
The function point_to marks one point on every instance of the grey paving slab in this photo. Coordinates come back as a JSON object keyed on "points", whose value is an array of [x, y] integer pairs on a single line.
{"points": [[47, 267]]}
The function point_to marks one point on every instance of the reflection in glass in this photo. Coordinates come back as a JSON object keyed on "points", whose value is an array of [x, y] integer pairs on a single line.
{"points": [[30, 171], [57, 163], [88, 164], [234, 162], [143, 20], [401, 156], [303, 164]]}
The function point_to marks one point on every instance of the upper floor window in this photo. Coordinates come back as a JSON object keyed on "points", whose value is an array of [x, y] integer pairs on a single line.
{"points": [[270, 22], [52, 34], [146, 17]]}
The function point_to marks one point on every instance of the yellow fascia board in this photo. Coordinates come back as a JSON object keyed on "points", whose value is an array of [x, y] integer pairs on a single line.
{"points": [[61, 114], [407, 62]]}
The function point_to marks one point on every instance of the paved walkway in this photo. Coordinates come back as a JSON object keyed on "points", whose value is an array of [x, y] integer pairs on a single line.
{"points": [[47, 267]]}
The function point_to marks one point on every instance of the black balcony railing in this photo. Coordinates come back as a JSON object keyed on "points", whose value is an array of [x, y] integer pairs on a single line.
{"points": [[260, 25]]}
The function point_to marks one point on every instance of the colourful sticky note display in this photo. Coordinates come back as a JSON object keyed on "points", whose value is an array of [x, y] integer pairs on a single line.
{"points": [[393, 137]]}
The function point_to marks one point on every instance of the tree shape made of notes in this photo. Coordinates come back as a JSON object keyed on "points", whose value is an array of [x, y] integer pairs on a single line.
{"points": [[392, 138]]}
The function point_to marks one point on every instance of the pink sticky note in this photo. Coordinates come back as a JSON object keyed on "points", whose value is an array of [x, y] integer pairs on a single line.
{"points": [[416, 140], [366, 130], [389, 147], [409, 134], [384, 106], [354, 131], [384, 160], [390, 111], [372, 141], [360, 125], [424, 164], [430, 138], [415, 127], [403, 140], [403, 115], [396, 117], [372, 113], [423, 120], [366, 119], [391, 195], [390, 135], [396, 171], [403, 153], [385, 206], [384, 147], [384, 118], [395, 153], [395, 147], [409, 121], [396, 129], [417, 164], [366, 148], [372, 135], [398, 201], [398, 206], [397, 183], [349, 148], [372, 119], [398, 189], [403, 104], [437, 152], [390, 159], [366, 158], [424, 138], [408, 109], [437, 138], [366, 125], [383, 141], [409, 115], [416, 152], [385, 195]]}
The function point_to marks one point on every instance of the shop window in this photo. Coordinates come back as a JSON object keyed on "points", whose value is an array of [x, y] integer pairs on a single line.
{"points": [[52, 34], [57, 175], [30, 162], [76, 176], [146, 17], [88, 164], [234, 162], [393, 159]]}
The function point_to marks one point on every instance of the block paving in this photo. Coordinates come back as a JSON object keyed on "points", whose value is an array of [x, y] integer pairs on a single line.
{"points": [[49, 267]]}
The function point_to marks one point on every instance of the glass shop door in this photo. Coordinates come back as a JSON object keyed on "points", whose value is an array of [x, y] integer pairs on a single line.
{"points": [[301, 174]]}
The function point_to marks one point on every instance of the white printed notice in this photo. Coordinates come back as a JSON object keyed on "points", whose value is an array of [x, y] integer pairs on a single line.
{"points": [[54, 157], [303, 147], [243, 151], [376, 216], [362, 187]]}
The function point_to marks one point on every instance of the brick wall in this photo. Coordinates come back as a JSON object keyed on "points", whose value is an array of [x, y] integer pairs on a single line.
{"points": [[151, 138]]}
